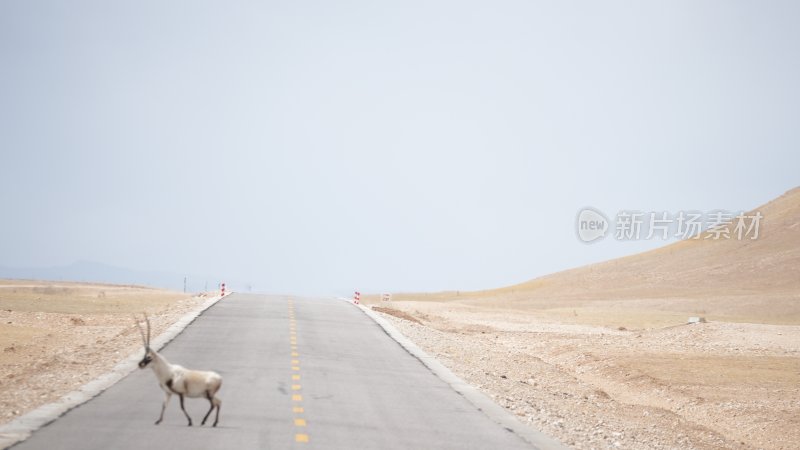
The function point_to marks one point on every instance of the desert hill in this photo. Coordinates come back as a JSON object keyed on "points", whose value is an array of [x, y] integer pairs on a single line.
{"points": [[727, 279]]}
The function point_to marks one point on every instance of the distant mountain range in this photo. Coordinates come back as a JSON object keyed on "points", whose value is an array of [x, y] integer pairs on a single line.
{"points": [[88, 271]]}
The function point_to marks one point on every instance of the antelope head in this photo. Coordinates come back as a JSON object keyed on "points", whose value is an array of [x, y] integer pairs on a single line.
{"points": [[148, 357]]}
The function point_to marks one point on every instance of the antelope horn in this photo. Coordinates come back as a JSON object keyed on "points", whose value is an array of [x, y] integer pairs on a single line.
{"points": [[141, 331], [148, 330]]}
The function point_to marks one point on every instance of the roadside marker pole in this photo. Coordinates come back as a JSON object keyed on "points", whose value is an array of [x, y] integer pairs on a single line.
{"points": [[223, 289], [356, 297]]}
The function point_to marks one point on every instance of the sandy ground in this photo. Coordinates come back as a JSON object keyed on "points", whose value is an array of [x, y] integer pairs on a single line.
{"points": [[55, 337], [705, 386]]}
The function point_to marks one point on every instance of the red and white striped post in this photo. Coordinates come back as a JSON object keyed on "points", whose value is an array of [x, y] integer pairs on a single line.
{"points": [[222, 289], [356, 297]]}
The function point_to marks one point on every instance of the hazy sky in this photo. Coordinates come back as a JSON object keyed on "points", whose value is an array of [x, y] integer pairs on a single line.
{"points": [[320, 146]]}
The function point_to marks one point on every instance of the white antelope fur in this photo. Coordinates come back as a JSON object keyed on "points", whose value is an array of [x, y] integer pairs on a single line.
{"points": [[178, 380]]}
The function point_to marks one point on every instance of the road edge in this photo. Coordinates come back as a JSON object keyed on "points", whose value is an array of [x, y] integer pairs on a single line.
{"points": [[24, 426], [495, 412]]}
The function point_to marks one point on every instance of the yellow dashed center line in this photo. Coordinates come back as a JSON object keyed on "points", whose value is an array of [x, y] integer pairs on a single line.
{"points": [[297, 397]]}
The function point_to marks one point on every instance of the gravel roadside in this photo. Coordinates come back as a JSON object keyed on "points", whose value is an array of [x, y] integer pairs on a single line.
{"points": [[593, 388]]}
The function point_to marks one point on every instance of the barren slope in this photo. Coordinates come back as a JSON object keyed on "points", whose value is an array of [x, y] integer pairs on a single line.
{"points": [[729, 279]]}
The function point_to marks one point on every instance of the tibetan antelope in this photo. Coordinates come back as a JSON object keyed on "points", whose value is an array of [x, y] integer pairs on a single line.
{"points": [[175, 379]]}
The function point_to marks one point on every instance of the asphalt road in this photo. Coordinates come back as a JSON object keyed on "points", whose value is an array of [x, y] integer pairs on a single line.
{"points": [[298, 373]]}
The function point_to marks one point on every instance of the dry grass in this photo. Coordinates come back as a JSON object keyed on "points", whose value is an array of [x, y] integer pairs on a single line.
{"points": [[82, 298], [712, 373], [396, 313]]}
